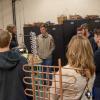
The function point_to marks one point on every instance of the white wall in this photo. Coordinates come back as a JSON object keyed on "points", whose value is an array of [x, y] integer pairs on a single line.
{"points": [[5, 13], [6, 17], [30, 11], [44, 10]]}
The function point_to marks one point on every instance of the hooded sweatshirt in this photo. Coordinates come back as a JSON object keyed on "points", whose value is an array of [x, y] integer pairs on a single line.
{"points": [[11, 74]]}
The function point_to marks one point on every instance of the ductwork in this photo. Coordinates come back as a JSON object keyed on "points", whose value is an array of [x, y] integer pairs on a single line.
{"points": [[14, 11]]}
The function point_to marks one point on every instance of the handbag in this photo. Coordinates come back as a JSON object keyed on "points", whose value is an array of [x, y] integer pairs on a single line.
{"points": [[86, 91]]}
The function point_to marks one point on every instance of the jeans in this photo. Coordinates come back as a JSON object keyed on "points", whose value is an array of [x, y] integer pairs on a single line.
{"points": [[96, 93], [48, 62]]}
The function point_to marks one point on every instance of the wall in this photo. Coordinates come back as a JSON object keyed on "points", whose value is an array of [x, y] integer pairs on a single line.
{"points": [[30, 11], [44, 10], [6, 17], [5, 13]]}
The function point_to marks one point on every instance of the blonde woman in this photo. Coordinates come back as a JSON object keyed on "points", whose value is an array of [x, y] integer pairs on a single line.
{"points": [[74, 75]]}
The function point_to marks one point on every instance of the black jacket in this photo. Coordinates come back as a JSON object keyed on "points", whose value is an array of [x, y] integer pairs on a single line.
{"points": [[93, 44], [14, 42], [97, 63], [11, 74]]}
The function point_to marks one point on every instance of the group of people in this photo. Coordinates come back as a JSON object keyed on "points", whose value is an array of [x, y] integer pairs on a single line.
{"points": [[83, 53], [11, 62]]}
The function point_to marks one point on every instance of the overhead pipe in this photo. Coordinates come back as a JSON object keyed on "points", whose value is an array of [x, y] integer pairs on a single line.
{"points": [[14, 11]]}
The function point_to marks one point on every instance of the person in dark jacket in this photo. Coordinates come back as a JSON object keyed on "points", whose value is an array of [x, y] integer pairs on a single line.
{"points": [[13, 31], [11, 74], [93, 40], [96, 88]]}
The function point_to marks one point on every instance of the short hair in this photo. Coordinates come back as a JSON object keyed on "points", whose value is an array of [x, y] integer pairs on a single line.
{"points": [[80, 54], [10, 28], [43, 25], [5, 39], [97, 31], [84, 26]]}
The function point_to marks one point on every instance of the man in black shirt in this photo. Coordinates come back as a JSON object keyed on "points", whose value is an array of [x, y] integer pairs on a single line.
{"points": [[96, 89], [93, 41]]}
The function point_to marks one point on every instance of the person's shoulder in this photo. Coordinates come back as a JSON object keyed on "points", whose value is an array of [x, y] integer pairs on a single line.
{"points": [[97, 51], [50, 36], [17, 55], [23, 60], [97, 56], [68, 70], [39, 35]]}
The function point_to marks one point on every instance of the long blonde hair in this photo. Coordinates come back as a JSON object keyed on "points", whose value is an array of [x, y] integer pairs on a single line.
{"points": [[80, 54]]}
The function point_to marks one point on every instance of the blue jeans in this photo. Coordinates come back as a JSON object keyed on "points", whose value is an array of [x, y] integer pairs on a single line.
{"points": [[47, 61], [46, 69], [96, 93]]}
